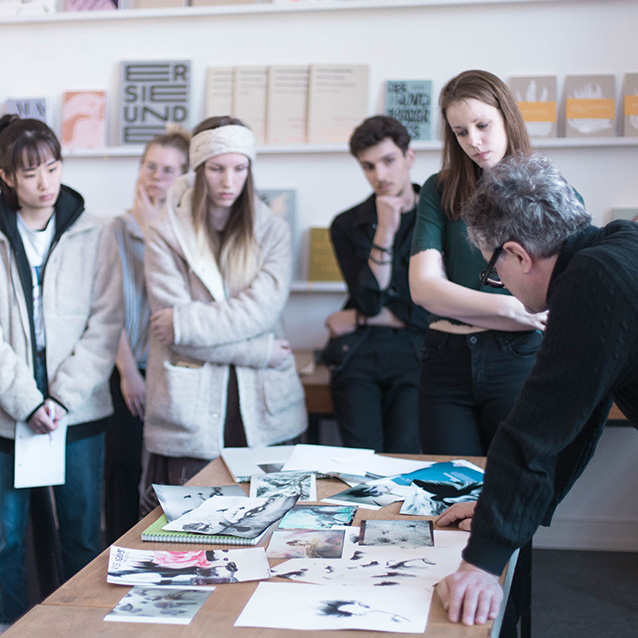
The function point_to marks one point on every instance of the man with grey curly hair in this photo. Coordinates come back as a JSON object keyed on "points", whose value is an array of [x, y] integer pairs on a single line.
{"points": [[539, 243]]}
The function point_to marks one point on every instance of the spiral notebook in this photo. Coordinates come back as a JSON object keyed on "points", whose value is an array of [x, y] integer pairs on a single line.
{"points": [[155, 533]]}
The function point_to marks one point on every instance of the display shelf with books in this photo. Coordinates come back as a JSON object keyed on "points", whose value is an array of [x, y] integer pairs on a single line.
{"points": [[307, 149]]}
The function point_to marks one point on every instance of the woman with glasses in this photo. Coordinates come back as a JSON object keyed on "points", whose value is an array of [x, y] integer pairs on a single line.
{"points": [[165, 157], [481, 343], [218, 269]]}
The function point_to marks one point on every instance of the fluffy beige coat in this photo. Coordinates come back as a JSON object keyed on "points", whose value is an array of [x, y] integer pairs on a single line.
{"points": [[187, 381], [83, 317]]}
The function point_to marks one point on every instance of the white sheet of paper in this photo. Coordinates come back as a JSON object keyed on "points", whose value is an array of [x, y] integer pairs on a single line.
{"points": [[296, 606], [40, 459], [421, 567], [326, 458]]}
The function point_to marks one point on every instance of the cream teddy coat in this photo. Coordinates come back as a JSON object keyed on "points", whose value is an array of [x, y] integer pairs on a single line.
{"points": [[83, 318], [187, 381]]}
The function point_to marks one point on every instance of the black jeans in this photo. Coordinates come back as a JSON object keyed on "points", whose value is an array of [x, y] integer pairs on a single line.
{"points": [[375, 394], [468, 385], [123, 466]]}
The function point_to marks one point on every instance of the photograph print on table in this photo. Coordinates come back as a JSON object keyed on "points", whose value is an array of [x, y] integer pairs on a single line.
{"points": [[399, 533], [372, 495], [303, 484], [306, 543], [318, 516], [158, 605]]}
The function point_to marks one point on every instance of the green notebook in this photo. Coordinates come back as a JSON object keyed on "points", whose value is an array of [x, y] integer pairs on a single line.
{"points": [[155, 533]]}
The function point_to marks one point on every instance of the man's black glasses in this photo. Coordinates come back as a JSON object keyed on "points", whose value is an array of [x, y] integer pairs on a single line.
{"points": [[489, 277]]}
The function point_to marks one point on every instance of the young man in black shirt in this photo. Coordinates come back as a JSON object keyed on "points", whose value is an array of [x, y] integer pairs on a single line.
{"points": [[376, 340]]}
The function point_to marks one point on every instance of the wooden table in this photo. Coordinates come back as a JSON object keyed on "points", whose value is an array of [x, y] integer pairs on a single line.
{"points": [[79, 606]]}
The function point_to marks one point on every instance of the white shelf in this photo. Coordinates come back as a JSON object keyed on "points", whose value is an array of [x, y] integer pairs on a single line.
{"points": [[318, 286], [291, 149], [259, 7]]}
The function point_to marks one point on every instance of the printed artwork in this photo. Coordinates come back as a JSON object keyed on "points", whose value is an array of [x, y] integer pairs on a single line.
{"points": [[590, 105], [384, 567], [410, 102], [83, 119], [302, 543], [302, 484], [243, 517], [287, 606], [177, 500], [318, 516], [200, 569], [400, 533], [158, 605], [154, 94], [373, 494], [36, 108]]}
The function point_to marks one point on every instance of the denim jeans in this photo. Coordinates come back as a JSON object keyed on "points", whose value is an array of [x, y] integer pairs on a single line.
{"points": [[469, 384], [78, 506]]}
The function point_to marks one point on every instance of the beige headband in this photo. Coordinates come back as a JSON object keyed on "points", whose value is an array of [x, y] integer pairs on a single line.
{"points": [[217, 141]]}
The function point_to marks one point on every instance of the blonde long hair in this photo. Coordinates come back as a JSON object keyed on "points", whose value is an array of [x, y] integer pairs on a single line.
{"points": [[237, 252]]}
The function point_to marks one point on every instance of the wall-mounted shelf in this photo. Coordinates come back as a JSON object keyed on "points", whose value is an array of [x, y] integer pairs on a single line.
{"points": [[259, 7], [435, 145]]}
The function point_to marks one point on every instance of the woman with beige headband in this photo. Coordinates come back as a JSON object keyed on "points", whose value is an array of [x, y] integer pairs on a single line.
{"points": [[218, 268]]}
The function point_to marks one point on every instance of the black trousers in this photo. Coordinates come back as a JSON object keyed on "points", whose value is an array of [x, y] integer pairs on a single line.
{"points": [[123, 466], [469, 384], [375, 394]]}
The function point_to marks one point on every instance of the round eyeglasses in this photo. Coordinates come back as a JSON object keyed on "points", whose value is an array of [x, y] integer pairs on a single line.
{"points": [[165, 172]]}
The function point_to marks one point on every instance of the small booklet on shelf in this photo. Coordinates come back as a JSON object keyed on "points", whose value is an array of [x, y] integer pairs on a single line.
{"points": [[156, 534]]}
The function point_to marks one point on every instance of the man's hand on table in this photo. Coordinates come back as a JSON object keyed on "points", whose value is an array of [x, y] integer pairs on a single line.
{"points": [[470, 595], [460, 513]]}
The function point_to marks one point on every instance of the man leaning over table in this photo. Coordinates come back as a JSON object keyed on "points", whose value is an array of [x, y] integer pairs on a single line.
{"points": [[540, 244]]}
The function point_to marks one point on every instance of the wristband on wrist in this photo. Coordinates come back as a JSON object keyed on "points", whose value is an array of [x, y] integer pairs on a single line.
{"points": [[362, 320], [380, 262], [387, 251]]}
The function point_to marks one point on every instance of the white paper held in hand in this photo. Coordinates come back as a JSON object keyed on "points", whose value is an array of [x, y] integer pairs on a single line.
{"points": [[40, 458]]}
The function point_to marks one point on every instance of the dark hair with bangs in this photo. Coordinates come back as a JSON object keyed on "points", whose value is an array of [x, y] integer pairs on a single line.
{"points": [[24, 140]]}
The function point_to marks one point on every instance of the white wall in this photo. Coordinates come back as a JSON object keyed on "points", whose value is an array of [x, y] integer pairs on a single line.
{"points": [[507, 38], [48, 57]]}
